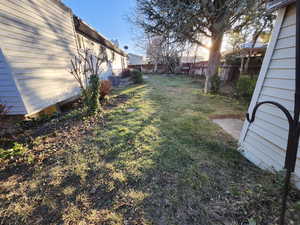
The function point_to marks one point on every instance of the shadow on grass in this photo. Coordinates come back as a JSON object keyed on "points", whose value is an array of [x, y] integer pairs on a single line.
{"points": [[157, 165]]}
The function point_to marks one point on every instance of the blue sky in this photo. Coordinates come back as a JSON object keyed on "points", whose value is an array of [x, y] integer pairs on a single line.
{"points": [[108, 17]]}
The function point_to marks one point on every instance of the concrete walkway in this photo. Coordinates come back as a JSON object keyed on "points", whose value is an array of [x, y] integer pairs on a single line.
{"points": [[231, 126]]}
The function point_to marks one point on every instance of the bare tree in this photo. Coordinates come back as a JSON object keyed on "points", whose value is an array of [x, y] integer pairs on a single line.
{"points": [[154, 47], [86, 68], [161, 51], [236, 39], [261, 23], [187, 20]]}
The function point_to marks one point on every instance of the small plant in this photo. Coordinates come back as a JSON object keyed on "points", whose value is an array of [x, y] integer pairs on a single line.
{"points": [[245, 87], [215, 84], [16, 150], [105, 88], [86, 68], [137, 77], [3, 110], [94, 93], [126, 73]]}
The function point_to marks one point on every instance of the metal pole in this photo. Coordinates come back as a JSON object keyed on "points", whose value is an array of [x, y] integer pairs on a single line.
{"points": [[285, 197]]}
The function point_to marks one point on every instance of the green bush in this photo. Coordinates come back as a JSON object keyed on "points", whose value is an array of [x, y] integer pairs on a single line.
{"points": [[15, 150], [245, 87], [91, 95], [137, 77], [215, 84], [93, 101], [126, 73]]}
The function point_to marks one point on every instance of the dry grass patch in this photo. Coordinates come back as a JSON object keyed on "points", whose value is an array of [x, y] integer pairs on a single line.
{"points": [[163, 163]]}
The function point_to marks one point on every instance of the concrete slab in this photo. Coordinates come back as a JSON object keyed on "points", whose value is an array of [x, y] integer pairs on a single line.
{"points": [[131, 110], [231, 126]]}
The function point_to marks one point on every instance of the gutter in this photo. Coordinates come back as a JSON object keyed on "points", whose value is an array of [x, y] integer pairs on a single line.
{"points": [[86, 30], [274, 5]]}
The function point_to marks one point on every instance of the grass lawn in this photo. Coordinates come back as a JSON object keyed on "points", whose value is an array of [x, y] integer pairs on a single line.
{"points": [[154, 158]]}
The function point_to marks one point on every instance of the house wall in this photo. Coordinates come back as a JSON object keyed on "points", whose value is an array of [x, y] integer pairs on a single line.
{"points": [[118, 62], [264, 142], [135, 59], [9, 95], [37, 41]]}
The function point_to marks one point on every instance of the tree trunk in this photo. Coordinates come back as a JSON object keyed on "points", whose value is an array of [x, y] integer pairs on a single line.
{"points": [[242, 67], [155, 68], [254, 40], [247, 64], [214, 60]]}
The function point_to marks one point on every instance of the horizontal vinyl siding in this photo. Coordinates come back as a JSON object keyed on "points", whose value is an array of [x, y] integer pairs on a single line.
{"points": [[114, 57], [37, 39], [266, 139], [9, 95]]}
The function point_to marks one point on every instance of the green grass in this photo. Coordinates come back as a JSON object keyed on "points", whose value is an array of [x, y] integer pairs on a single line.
{"points": [[164, 163]]}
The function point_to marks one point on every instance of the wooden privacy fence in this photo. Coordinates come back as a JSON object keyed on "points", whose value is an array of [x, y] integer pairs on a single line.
{"points": [[150, 68], [198, 70], [226, 72]]}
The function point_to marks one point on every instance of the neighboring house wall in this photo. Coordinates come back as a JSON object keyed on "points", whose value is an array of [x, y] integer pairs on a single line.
{"points": [[264, 142], [37, 44], [135, 59]]}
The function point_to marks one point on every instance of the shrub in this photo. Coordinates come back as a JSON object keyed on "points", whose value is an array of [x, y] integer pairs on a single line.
{"points": [[92, 94], [245, 87], [126, 73], [95, 92], [85, 68], [15, 150], [137, 77], [215, 83], [105, 88]]}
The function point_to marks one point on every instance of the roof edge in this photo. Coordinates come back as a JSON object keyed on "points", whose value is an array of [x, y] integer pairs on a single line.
{"points": [[84, 28], [62, 5], [273, 5]]}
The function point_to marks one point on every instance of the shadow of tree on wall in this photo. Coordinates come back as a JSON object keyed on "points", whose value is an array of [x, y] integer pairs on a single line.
{"points": [[38, 49]]}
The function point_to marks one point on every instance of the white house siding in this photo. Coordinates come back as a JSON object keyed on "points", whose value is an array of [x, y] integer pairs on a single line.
{"points": [[117, 64], [264, 142], [86, 43], [37, 40], [135, 59], [9, 95], [117, 61]]}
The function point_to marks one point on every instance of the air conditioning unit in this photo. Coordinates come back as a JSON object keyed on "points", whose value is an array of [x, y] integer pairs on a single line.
{"points": [[277, 4]]}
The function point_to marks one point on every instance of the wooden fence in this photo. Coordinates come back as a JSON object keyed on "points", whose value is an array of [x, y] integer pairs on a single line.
{"points": [[227, 73]]}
